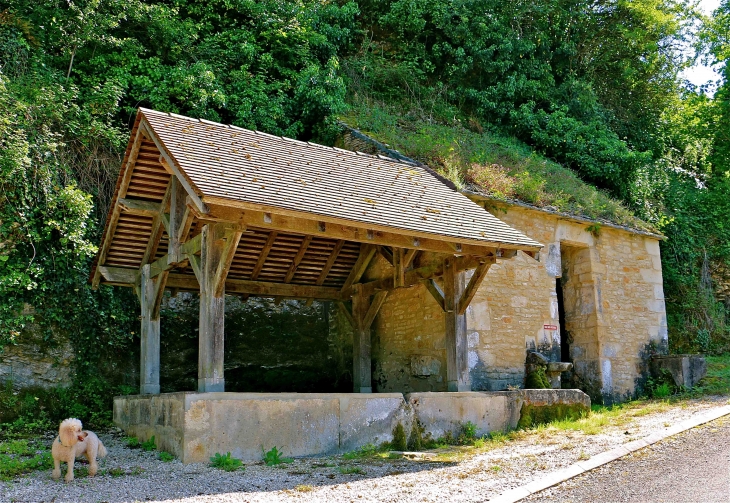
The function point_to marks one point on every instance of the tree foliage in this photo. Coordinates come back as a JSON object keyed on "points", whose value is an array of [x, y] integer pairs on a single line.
{"points": [[593, 85]]}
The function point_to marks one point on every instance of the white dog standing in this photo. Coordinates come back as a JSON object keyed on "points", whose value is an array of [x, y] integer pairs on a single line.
{"points": [[72, 443]]}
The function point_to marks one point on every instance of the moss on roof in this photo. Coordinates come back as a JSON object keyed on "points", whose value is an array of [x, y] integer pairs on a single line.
{"points": [[495, 165]]}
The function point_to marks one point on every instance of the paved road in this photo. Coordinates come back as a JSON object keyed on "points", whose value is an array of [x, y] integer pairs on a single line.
{"points": [[693, 466]]}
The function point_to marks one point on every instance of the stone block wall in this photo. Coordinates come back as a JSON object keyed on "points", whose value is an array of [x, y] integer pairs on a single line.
{"points": [[613, 302]]}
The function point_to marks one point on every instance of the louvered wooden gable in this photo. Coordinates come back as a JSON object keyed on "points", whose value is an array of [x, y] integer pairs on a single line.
{"points": [[307, 214]]}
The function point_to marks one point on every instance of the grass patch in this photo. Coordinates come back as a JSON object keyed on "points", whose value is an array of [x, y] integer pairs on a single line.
{"points": [[166, 457], [351, 470], [366, 451], [489, 162], [717, 380], [274, 457], [18, 457]]}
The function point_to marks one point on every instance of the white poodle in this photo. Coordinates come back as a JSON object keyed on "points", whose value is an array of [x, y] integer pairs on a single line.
{"points": [[72, 443]]}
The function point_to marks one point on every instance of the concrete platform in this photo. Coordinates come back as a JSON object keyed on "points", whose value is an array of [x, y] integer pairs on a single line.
{"points": [[195, 426]]}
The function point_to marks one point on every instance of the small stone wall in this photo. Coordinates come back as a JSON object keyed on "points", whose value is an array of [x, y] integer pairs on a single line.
{"points": [[194, 426], [34, 362]]}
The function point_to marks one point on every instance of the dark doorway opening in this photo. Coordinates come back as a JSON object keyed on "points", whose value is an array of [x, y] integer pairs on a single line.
{"points": [[564, 343]]}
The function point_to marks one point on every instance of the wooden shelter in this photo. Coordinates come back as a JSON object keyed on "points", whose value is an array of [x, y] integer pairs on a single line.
{"points": [[206, 207]]}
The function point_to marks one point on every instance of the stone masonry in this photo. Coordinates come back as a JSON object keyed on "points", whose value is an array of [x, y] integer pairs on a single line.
{"points": [[614, 314]]}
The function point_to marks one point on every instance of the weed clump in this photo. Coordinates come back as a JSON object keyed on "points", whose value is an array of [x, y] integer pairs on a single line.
{"points": [[399, 442], [274, 457], [227, 463]]}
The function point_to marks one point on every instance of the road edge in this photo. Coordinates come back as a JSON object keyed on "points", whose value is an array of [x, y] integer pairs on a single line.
{"points": [[572, 471]]}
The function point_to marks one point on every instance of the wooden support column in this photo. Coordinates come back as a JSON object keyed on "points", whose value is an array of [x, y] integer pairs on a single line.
{"points": [[361, 350], [363, 315], [150, 295], [218, 245], [457, 364]]}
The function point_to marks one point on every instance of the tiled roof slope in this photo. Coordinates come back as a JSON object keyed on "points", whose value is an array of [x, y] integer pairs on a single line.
{"points": [[239, 164]]}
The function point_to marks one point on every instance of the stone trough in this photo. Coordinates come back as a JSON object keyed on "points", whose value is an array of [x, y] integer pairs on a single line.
{"points": [[195, 426]]}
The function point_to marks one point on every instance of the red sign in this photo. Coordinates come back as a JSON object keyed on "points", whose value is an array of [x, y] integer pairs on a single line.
{"points": [[550, 327]]}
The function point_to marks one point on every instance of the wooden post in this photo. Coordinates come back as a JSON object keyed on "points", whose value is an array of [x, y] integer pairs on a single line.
{"points": [[457, 363], [150, 296], [218, 245], [361, 350]]}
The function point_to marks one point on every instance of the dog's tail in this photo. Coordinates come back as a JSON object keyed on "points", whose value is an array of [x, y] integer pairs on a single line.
{"points": [[102, 450]]}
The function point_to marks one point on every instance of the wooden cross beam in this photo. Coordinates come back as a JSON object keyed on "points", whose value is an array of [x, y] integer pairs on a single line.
{"points": [[415, 276], [367, 252]]}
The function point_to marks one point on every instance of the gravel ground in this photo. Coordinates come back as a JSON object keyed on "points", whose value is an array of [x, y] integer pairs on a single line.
{"points": [[693, 466], [463, 475]]}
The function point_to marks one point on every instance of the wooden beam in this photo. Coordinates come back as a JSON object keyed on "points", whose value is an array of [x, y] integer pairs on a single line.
{"points": [[367, 252], [118, 275], [361, 344], [347, 314], [330, 262], [297, 259], [375, 305], [409, 256], [157, 227], [471, 289], [416, 275], [139, 207], [386, 254], [175, 221], [127, 277], [305, 223], [399, 270], [264, 253], [457, 366], [126, 177], [435, 292], [232, 237], [150, 295], [168, 262], [171, 167]]}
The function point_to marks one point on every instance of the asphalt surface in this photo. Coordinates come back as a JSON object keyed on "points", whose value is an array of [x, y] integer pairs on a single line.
{"points": [[693, 466]]}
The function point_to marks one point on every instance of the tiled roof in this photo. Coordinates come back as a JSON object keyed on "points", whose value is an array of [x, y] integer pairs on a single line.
{"points": [[241, 165]]}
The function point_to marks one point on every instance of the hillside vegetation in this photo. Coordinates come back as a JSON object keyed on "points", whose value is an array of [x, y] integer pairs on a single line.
{"points": [[564, 103]]}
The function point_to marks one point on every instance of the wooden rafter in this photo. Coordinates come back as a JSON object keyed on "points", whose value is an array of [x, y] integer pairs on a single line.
{"points": [[264, 254], [171, 168], [330, 262], [122, 191], [297, 259]]}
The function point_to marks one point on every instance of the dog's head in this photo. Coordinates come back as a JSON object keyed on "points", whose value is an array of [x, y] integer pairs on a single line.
{"points": [[70, 432]]}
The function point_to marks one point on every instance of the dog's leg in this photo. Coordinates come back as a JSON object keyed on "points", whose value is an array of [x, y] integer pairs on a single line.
{"points": [[91, 456], [70, 462], [56, 469]]}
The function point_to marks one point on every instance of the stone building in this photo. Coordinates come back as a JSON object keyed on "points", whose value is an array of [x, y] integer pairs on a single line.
{"points": [[592, 297]]}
